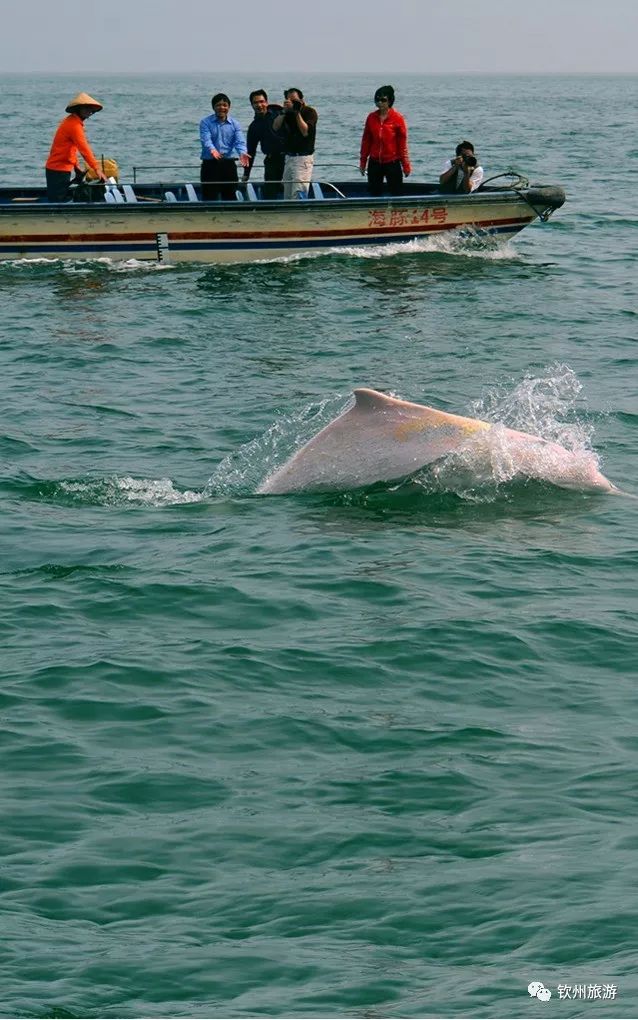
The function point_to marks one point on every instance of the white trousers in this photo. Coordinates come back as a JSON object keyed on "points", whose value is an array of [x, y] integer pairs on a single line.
{"points": [[297, 176]]}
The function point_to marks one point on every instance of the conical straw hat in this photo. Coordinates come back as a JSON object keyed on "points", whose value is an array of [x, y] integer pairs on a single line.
{"points": [[83, 99]]}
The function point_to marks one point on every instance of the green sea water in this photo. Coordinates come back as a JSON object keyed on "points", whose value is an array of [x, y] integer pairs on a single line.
{"points": [[360, 754]]}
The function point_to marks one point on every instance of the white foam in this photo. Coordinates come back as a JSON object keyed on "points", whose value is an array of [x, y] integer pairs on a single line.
{"points": [[465, 243], [141, 491]]}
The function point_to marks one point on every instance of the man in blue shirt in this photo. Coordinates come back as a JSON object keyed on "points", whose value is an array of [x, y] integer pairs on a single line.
{"points": [[261, 132], [222, 139]]}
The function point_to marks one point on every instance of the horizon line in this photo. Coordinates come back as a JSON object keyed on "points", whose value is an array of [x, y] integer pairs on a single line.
{"points": [[222, 71]]}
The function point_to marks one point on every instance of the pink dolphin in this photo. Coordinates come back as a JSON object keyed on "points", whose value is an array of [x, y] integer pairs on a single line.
{"points": [[382, 439]]}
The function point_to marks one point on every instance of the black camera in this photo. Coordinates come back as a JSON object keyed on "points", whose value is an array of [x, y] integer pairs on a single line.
{"points": [[469, 160], [296, 105]]}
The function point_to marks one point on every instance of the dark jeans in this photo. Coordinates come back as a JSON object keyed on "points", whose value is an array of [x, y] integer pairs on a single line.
{"points": [[58, 185], [392, 173], [214, 175], [273, 172]]}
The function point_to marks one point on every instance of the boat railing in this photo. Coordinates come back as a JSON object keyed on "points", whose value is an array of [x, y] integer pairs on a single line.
{"points": [[333, 190], [517, 180], [191, 171]]}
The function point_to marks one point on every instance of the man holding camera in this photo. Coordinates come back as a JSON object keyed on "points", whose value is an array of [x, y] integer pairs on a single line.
{"points": [[298, 123], [461, 174]]}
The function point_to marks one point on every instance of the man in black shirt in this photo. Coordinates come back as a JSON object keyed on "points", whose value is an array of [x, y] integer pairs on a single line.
{"points": [[299, 125], [261, 132]]}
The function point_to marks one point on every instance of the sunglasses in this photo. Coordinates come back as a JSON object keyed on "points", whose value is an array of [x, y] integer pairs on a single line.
{"points": [[382, 99]]}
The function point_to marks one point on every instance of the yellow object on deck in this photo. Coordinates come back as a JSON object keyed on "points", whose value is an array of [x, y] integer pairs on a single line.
{"points": [[109, 168]]}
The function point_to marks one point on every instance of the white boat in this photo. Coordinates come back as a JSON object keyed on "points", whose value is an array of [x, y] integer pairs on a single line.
{"points": [[168, 221]]}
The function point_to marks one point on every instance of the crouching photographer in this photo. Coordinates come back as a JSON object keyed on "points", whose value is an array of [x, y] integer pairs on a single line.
{"points": [[462, 173]]}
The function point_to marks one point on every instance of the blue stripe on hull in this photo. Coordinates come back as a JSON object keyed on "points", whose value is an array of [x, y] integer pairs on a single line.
{"points": [[257, 245]]}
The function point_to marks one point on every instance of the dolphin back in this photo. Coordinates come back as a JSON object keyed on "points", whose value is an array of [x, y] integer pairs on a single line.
{"points": [[378, 439]]}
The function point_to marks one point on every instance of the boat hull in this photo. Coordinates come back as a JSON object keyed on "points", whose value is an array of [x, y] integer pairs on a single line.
{"points": [[245, 231]]}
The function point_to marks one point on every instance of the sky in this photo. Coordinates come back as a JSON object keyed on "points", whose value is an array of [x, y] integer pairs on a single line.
{"points": [[464, 36]]}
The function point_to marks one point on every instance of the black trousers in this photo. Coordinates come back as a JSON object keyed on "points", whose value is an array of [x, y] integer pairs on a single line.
{"points": [[219, 179], [392, 173], [273, 172], [58, 185]]}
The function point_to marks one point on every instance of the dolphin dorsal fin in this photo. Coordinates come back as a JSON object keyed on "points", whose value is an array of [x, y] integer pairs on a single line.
{"points": [[373, 400]]}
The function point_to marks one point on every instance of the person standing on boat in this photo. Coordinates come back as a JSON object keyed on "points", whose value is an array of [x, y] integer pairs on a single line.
{"points": [[222, 139], [384, 145], [69, 139], [261, 132], [461, 174], [298, 122]]}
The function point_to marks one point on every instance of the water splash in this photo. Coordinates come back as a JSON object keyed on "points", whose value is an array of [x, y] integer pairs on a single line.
{"points": [[491, 461], [129, 265], [544, 406], [128, 491], [85, 267], [241, 472], [466, 242]]}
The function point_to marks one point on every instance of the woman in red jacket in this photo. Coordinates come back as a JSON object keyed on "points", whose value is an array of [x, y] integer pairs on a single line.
{"points": [[384, 145]]}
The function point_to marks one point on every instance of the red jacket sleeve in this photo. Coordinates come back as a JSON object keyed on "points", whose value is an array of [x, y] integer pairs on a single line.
{"points": [[366, 141], [80, 140], [402, 144]]}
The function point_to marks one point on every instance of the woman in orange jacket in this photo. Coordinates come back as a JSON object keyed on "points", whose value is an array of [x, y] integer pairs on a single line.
{"points": [[384, 145], [70, 139]]}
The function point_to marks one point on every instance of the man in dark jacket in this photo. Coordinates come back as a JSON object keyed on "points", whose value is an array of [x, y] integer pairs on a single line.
{"points": [[262, 133]]}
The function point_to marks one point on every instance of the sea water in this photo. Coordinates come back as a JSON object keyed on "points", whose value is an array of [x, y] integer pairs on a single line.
{"points": [[357, 754]]}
